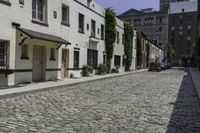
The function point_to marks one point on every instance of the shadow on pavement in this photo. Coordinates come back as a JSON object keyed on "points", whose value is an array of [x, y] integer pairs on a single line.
{"points": [[185, 117]]}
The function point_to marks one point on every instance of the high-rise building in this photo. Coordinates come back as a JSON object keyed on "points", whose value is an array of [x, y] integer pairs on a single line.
{"points": [[164, 4], [151, 23], [182, 29]]}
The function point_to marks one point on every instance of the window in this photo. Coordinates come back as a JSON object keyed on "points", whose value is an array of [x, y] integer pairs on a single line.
{"points": [[117, 61], [118, 37], [4, 54], [39, 12], [88, 3], [65, 15], [160, 29], [88, 27], [158, 20], [102, 32], [93, 28], [81, 23], [55, 14], [188, 38], [92, 59], [76, 59], [5, 2], [53, 54], [104, 58], [189, 32], [21, 2], [24, 51]]}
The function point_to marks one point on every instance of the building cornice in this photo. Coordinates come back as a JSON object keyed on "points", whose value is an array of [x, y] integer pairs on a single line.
{"points": [[89, 8]]}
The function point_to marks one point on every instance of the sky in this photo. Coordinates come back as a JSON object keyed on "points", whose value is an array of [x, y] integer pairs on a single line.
{"points": [[121, 6]]}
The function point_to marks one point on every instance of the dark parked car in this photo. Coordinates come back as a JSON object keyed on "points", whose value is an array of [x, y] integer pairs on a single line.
{"points": [[154, 66], [163, 66]]}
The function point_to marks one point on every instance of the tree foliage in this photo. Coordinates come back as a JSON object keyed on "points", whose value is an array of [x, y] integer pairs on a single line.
{"points": [[139, 49], [148, 53], [170, 52], [128, 45], [110, 34]]}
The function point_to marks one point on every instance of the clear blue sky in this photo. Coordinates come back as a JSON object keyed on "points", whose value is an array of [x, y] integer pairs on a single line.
{"points": [[123, 5]]}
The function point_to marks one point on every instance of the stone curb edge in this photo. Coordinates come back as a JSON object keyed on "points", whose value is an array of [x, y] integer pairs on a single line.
{"points": [[5, 96], [197, 88]]}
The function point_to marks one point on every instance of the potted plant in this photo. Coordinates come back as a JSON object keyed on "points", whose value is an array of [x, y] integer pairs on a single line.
{"points": [[103, 69], [87, 70]]}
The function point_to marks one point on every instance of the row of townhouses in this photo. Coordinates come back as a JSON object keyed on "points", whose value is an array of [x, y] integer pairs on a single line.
{"points": [[43, 40]]}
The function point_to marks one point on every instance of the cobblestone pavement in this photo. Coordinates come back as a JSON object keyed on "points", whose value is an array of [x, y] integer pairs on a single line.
{"points": [[148, 102]]}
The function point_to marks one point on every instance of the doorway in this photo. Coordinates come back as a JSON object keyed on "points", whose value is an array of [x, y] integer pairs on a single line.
{"points": [[65, 63], [38, 63]]}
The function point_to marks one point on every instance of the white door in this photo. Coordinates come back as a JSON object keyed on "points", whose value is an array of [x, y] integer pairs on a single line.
{"points": [[38, 63], [65, 62]]}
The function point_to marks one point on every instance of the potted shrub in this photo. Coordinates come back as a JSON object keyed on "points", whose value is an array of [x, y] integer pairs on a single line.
{"points": [[87, 70], [103, 69], [115, 70]]}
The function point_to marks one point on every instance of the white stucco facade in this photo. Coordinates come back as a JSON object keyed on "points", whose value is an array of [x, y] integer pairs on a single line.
{"points": [[83, 42], [155, 54], [20, 15]]}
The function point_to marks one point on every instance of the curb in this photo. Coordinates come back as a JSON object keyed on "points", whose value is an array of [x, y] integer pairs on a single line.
{"points": [[14, 94], [196, 86]]}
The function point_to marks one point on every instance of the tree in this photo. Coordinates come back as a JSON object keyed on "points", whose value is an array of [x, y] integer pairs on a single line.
{"points": [[110, 34], [170, 53], [128, 45], [139, 49], [148, 53]]}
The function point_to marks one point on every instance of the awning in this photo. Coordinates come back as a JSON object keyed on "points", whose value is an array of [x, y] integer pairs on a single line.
{"points": [[93, 39], [43, 36]]}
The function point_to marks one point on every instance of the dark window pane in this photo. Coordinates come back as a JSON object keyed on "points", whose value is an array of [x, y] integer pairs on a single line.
{"points": [[92, 58], [117, 61], [76, 59]]}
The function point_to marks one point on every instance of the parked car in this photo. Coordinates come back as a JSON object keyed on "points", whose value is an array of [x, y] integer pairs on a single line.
{"points": [[154, 66], [169, 66], [163, 66]]}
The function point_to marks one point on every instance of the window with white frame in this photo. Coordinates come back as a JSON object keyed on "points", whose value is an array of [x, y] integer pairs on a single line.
{"points": [[118, 39], [39, 10], [76, 59], [81, 23], [93, 28], [24, 52], [65, 14], [53, 54]]}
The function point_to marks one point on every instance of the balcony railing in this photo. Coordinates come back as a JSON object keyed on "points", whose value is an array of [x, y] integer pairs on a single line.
{"points": [[93, 34]]}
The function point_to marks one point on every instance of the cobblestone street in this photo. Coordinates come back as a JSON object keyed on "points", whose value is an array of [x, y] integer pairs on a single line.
{"points": [[147, 102]]}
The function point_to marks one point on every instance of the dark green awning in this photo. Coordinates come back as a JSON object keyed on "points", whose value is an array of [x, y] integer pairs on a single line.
{"points": [[43, 36]]}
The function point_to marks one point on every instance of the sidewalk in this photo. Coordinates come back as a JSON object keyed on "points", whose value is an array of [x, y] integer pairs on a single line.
{"points": [[195, 75], [52, 84]]}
